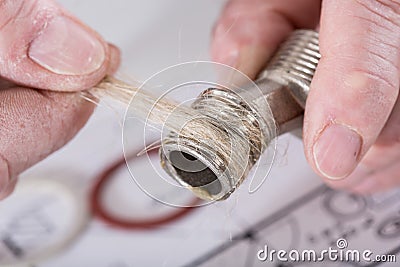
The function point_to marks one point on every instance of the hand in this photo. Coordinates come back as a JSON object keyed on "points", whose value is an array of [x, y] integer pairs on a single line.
{"points": [[352, 117], [43, 47]]}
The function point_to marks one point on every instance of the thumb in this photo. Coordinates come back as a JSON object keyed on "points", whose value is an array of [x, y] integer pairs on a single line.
{"points": [[356, 83], [42, 46]]}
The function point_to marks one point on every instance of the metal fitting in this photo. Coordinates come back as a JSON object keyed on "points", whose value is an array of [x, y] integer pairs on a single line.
{"points": [[284, 86]]}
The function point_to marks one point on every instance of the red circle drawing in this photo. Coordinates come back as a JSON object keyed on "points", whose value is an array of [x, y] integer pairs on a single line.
{"points": [[101, 212]]}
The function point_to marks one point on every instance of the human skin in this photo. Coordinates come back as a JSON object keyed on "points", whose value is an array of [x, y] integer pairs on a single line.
{"points": [[352, 117], [351, 127], [46, 57]]}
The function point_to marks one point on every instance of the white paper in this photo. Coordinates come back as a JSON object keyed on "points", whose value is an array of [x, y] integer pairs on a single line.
{"points": [[289, 211]]}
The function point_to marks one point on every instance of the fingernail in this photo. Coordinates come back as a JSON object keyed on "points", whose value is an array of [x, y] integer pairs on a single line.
{"points": [[4, 175], [247, 59], [252, 59], [336, 151], [232, 59], [223, 49], [65, 47], [228, 58]]}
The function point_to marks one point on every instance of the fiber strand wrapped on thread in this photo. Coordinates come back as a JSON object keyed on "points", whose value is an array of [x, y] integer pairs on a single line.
{"points": [[214, 143]]}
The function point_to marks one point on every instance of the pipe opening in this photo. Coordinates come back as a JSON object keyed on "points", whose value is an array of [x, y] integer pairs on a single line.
{"points": [[194, 172]]}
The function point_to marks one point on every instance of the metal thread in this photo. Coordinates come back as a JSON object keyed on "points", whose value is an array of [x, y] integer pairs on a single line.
{"points": [[242, 120], [295, 62]]}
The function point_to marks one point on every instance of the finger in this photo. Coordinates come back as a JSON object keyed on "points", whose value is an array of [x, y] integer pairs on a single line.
{"points": [[380, 181], [377, 159], [391, 131], [383, 160], [8, 189], [355, 85], [35, 124], [42, 46], [115, 59], [249, 31]]}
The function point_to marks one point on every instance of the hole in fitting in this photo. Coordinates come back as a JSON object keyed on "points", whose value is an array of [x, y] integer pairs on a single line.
{"points": [[194, 172], [188, 156]]}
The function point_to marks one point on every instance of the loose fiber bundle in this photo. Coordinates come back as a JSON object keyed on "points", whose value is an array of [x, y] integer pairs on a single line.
{"points": [[227, 132], [230, 125]]}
